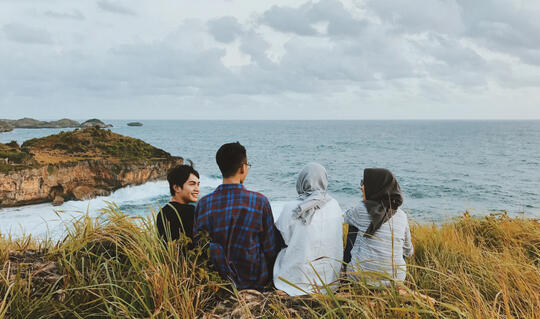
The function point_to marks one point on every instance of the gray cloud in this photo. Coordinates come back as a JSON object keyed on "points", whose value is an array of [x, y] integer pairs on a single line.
{"points": [[74, 15], [388, 52], [25, 34], [225, 29], [114, 7], [301, 20]]}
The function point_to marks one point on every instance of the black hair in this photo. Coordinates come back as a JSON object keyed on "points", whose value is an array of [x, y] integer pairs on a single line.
{"points": [[178, 175], [230, 158]]}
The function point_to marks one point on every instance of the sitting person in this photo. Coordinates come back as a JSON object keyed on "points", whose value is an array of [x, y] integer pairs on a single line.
{"points": [[244, 242], [177, 216], [312, 228], [384, 237]]}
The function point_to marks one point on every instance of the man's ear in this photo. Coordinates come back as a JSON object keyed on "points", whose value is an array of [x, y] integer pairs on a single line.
{"points": [[241, 170], [177, 188]]}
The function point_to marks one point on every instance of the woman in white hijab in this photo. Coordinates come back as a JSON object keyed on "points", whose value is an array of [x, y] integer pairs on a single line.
{"points": [[312, 228]]}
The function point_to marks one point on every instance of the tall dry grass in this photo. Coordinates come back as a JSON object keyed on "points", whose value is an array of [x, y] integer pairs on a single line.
{"points": [[115, 266]]}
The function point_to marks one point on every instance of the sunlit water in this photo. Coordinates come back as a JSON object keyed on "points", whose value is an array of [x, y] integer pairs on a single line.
{"points": [[444, 167]]}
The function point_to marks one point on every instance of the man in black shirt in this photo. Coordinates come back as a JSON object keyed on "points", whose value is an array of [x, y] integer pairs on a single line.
{"points": [[177, 216]]}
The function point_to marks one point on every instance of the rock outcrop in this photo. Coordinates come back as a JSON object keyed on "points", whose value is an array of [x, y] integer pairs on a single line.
{"points": [[33, 123], [80, 164], [5, 126], [95, 123]]}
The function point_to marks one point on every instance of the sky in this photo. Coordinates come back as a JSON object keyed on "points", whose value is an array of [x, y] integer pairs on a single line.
{"points": [[245, 59]]}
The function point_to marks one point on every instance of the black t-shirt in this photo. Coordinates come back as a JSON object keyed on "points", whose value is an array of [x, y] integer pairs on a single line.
{"points": [[169, 217]]}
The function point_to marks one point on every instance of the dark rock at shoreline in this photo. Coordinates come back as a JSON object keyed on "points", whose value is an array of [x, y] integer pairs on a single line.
{"points": [[135, 124], [95, 123]]}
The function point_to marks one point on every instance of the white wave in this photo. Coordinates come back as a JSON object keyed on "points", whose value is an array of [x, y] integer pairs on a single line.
{"points": [[47, 221]]}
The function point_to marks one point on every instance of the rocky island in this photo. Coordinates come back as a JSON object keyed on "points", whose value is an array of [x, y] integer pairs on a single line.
{"points": [[79, 164], [5, 126], [135, 124], [33, 123], [95, 123]]}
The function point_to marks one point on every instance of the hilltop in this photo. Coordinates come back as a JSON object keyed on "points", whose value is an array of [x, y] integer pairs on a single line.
{"points": [[78, 164]]}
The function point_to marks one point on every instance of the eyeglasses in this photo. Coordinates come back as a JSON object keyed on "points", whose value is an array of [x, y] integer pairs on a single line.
{"points": [[248, 164], [362, 182]]}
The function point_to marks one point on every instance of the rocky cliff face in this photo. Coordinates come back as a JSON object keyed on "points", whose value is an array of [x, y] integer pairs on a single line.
{"points": [[79, 165], [80, 180]]}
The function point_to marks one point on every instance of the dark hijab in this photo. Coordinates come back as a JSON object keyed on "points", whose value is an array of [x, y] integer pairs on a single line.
{"points": [[383, 197]]}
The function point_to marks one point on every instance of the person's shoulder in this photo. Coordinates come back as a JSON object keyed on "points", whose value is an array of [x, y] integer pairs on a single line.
{"points": [[401, 214], [257, 195], [206, 198], [333, 203], [359, 209]]}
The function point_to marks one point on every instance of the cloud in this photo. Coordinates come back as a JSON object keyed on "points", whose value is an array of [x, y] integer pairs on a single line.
{"points": [[25, 34], [382, 54], [303, 20], [114, 7], [225, 29], [74, 15]]}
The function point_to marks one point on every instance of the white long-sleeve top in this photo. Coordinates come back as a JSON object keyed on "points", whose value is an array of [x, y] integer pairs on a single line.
{"points": [[313, 250], [385, 251]]}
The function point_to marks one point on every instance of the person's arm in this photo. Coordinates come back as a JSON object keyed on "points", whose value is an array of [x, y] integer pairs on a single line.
{"points": [[272, 242], [160, 226], [351, 239], [284, 224], [196, 224], [408, 248]]}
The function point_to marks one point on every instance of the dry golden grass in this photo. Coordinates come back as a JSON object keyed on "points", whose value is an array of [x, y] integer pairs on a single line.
{"points": [[116, 267]]}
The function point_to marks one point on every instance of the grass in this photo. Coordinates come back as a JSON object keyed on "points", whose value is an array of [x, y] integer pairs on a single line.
{"points": [[77, 145], [91, 143], [116, 267]]}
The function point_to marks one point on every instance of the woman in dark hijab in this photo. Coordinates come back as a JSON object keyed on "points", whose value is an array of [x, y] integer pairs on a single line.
{"points": [[385, 238]]}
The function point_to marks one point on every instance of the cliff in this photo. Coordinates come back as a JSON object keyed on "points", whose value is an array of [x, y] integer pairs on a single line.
{"points": [[80, 164]]}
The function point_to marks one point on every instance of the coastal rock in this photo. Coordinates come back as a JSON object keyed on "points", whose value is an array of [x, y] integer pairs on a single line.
{"points": [[135, 124], [58, 200], [5, 126], [95, 123], [81, 164]]}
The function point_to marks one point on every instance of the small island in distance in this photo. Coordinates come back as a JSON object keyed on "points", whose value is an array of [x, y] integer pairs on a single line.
{"points": [[8, 125], [135, 124]]}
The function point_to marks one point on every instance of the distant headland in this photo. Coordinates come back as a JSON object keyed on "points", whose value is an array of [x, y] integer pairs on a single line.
{"points": [[9, 125], [79, 164]]}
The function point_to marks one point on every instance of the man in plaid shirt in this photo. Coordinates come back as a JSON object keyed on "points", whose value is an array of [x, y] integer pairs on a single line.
{"points": [[244, 242]]}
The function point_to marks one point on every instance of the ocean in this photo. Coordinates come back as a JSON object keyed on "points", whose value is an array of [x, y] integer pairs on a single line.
{"points": [[444, 167]]}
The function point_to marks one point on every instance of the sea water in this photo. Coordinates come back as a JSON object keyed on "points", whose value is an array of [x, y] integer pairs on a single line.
{"points": [[444, 167]]}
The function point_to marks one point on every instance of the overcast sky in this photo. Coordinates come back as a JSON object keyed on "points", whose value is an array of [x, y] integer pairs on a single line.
{"points": [[245, 59]]}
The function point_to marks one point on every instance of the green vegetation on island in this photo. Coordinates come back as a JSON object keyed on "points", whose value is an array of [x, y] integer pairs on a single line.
{"points": [[33, 123], [79, 144], [117, 267], [9, 125], [95, 123]]}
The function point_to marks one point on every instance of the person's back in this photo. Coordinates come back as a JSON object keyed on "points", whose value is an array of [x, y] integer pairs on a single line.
{"points": [[175, 218], [243, 239], [384, 238], [314, 245], [383, 252]]}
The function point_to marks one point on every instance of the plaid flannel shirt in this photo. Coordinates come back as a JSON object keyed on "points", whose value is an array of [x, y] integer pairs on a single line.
{"points": [[244, 241]]}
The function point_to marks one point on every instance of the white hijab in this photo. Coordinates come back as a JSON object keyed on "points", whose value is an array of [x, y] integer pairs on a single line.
{"points": [[311, 187]]}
